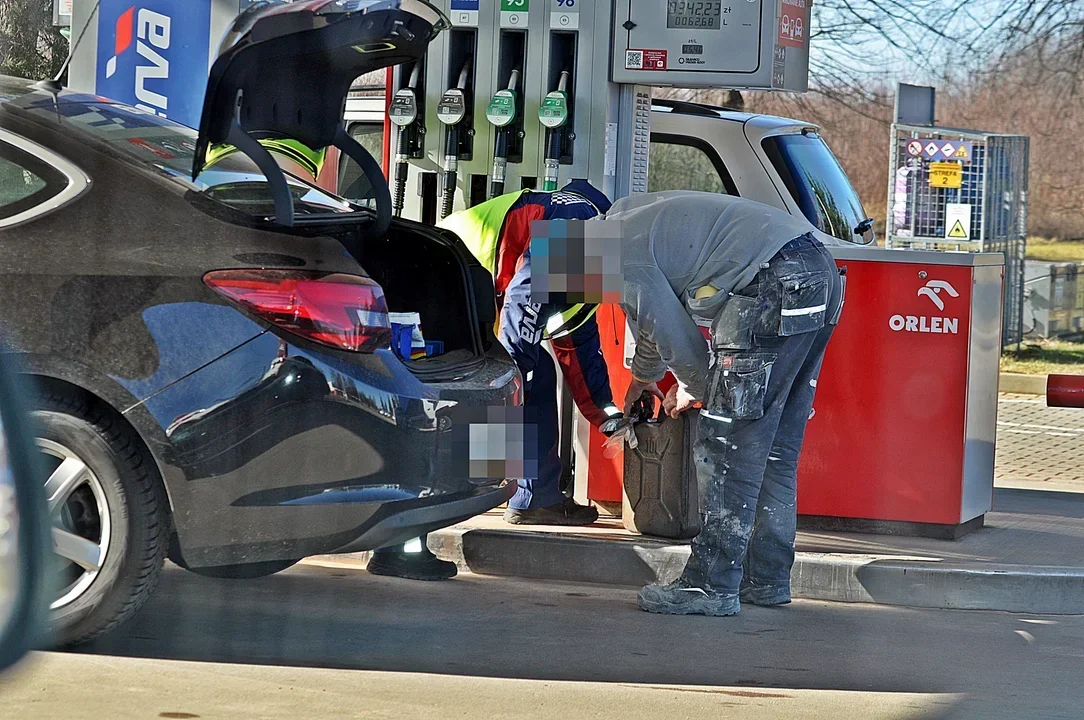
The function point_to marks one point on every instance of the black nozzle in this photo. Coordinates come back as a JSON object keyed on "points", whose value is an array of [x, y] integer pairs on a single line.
{"points": [[448, 201]]}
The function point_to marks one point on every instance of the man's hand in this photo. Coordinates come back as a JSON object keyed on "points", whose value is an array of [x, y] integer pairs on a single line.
{"points": [[636, 389], [677, 401]]}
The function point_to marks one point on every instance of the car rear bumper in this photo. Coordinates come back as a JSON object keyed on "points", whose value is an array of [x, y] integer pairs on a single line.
{"points": [[277, 451], [400, 524]]}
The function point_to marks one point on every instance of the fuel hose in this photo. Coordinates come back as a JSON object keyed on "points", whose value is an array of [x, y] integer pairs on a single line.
{"points": [[404, 113], [454, 110]]}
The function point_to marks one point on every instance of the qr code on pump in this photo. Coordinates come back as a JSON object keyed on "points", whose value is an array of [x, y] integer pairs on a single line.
{"points": [[634, 59]]}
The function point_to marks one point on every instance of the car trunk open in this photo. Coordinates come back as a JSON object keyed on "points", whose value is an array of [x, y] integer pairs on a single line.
{"points": [[284, 70], [430, 271]]}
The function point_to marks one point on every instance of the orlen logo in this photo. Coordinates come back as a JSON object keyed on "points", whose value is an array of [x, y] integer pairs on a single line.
{"points": [[933, 292], [151, 32], [926, 324]]}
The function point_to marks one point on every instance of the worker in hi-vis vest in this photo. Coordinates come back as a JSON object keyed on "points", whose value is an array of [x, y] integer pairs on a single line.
{"points": [[498, 233]]}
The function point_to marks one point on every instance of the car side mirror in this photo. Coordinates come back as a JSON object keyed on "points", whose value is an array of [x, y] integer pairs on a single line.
{"points": [[24, 541], [865, 231]]}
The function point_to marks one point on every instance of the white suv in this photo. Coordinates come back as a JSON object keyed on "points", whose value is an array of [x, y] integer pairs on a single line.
{"points": [[773, 160]]}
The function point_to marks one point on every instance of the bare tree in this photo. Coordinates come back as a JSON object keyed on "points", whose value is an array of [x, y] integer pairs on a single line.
{"points": [[30, 46]]}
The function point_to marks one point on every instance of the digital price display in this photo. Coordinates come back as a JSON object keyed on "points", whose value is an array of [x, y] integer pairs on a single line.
{"points": [[694, 14]]}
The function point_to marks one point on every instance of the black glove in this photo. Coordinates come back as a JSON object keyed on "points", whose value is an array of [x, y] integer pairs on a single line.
{"points": [[611, 424]]}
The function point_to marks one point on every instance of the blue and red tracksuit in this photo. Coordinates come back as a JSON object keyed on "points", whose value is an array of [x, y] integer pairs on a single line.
{"points": [[522, 325]]}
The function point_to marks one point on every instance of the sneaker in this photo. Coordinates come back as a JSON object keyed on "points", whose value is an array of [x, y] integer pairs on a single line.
{"points": [[764, 595], [422, 565], [683, 598], [566, 512]]}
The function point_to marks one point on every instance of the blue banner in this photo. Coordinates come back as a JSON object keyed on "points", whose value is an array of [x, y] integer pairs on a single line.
{"points": [[154, 54]]}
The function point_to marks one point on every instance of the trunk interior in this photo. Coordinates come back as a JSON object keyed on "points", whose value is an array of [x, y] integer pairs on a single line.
{"points": [[422, 273]]}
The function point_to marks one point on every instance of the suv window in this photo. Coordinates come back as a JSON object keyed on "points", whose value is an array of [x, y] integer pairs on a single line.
{"points": [[817, 182], [680, 163], [26, 183]]}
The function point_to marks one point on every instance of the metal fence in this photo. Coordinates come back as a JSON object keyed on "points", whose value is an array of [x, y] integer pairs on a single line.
{"points": [[960, 190]]}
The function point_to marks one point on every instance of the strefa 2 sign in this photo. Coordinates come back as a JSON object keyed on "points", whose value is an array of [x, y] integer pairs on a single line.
{"points": [[153, 54]]}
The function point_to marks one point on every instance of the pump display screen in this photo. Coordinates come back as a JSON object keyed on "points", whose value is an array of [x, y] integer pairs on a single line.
{"points": [[695, 14]]}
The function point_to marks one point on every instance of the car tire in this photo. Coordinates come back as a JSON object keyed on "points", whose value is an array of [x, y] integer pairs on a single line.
{"points": [[244, 571], [121, 506]]}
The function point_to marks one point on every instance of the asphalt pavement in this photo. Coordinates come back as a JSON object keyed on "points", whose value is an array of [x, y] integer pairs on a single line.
{"points": [[331, 641]]}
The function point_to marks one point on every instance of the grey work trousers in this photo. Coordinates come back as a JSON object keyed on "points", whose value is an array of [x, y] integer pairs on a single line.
{"points": [[768, 343]]}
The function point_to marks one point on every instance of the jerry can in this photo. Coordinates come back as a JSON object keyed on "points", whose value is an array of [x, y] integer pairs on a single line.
{"points": [[659, 491]]}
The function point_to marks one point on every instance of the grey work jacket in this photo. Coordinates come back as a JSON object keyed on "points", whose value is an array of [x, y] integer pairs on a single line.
{"points": [[674, 243]]}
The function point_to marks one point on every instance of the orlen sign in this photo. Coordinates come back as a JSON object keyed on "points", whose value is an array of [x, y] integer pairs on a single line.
{"points": [[932, 290], [153, 54]]}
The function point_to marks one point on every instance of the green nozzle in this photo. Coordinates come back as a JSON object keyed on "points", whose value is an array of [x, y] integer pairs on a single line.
{"points": [[554, 110]]}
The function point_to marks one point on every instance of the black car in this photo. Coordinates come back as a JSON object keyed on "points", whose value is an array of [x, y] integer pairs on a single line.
{"points": [[211, 355]]}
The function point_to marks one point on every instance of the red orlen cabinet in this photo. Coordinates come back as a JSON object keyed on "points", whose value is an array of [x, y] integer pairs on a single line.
{"points": [[904, 422]]}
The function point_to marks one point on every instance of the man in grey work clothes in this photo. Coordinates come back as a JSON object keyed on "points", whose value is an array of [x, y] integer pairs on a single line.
{"points": [[772, 296]]}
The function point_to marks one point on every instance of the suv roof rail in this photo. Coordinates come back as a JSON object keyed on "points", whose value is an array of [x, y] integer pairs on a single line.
{"points": [[689, 108]]}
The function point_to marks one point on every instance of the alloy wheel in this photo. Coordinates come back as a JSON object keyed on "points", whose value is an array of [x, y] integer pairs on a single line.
{"points": [[79, 514]]}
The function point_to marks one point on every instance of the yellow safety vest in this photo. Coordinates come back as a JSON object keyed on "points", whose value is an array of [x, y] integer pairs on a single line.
{"points": [[311, 160], [480, 229]]}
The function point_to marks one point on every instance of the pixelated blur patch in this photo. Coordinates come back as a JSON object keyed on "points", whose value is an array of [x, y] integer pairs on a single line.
{"points": [[497, 442], [576, 261]]}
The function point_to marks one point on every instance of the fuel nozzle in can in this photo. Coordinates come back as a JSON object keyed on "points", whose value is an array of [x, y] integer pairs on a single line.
{"points": [[501, 113], [553, 114], [621, 430], [451, 110], [403, 112]]}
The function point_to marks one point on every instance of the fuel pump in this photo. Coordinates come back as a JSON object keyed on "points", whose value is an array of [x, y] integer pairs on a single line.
{"points": [[501, 113], [451, 110], [403, 113], [553, 114]]}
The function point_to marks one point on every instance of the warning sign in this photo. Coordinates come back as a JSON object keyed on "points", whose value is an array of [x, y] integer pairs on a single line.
{"points": [[645, 59], [946, 175], [958, 222], [793, 19], [941, 150]]}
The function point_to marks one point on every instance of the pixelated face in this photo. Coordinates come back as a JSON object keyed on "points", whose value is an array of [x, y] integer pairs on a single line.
{"points": [[495, 442], [576, 261]]}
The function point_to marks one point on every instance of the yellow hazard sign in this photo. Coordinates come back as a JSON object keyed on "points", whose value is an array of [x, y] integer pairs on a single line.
{"points": [[958, 222], [946, 175], [957, 231]]}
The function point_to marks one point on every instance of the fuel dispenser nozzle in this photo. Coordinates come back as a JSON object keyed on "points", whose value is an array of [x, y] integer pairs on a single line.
{"points": [[501, 113], [403, 112], [554, 116], [451, 110]]}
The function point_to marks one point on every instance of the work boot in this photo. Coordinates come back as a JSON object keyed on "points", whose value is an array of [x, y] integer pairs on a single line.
{"points": [[422, 565], [566, 512], [683, 598], [764, 595]]}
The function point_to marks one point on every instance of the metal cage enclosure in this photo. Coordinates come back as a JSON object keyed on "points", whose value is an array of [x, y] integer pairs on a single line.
{"points": [[993, 185]]}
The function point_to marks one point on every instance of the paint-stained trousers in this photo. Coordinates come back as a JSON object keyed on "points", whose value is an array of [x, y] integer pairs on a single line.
{"points": [[768, 344]]}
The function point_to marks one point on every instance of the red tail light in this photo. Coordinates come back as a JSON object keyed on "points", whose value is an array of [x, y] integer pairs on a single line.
{"points": [[346, 312]]}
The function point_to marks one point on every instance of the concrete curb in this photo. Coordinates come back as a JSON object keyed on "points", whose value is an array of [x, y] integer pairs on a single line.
{"points": [[1025, 384], [881, 579]]}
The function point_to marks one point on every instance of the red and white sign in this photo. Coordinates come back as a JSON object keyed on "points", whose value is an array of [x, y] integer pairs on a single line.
{"points": [[914, 148], [793, 23], [645, 59]]}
